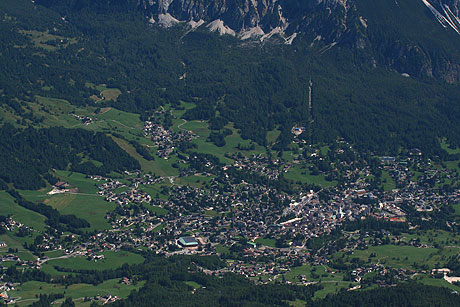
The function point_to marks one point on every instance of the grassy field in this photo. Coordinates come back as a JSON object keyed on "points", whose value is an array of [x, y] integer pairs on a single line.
{"points": [[426, 280], [57, 112], [193, 284], [388, 182], [266, 242], [457, 209], [20, 214], [296, 173], [445, 146], [220, 249], [272, 136], [194, 181], [111, 94], [85, 204], [13, 241], [41, 39], [154, 190], [211, 213], [28, 291], [112, 260], [90, 208], [398, 256], [158, 210], [160, 167], [332, 282], [200, 128], [85, 185], [127, 120]]}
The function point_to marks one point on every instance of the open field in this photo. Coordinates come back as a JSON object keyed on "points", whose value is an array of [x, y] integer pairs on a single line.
{"points": [[193, 284], [296, 173], [266, 242], [20, 214], [427, 280], [388, 182], [154, 190], [127, 120], [90, 208], [160, 167], [272, 136], [84, 185], [14, 242], [194, 181], [85, 204], [28, 291], [111, 94], [220, 249], [58, 112], [47, 40], [200, 128], [112, 260], [398, 256], [449, 150], [331, 282]]}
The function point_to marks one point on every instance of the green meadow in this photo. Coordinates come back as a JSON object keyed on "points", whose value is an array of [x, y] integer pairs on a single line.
{"points": [[20, 214], [112, 260], [28, 292], [16, 242], [297, 173], [90, 208]]}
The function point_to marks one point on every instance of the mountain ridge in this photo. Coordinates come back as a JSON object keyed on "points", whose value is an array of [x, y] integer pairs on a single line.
{"points": [[401, 35]]}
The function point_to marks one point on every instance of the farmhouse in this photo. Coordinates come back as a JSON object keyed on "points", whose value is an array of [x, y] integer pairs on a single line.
{"points": [[61, 185]]}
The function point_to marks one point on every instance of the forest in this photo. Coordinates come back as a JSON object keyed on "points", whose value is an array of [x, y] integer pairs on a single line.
{"points": [[258, 89], [28, 155], [410, 294]]}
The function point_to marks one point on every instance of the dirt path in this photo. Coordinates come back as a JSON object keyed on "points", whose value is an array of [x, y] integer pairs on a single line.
{"points": [[180, 125]]}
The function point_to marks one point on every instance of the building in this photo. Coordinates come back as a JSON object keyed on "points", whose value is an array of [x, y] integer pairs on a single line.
{"points": [[2, 244], [188, 241], [388, 160], [61, 185]]}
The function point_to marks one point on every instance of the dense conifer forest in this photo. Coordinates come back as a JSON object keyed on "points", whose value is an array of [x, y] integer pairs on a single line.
{"points": [[27, 156], [257, 88]]}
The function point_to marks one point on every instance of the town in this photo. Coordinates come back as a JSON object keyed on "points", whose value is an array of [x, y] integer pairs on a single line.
{"points": [[263, 224]]}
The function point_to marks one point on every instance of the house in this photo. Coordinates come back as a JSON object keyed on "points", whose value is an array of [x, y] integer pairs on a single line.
{"points": [[388, 160], [61, 185]]}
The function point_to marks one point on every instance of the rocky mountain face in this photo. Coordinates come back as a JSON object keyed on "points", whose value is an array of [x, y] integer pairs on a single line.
{"points": [[262, 19], [416, 37]]}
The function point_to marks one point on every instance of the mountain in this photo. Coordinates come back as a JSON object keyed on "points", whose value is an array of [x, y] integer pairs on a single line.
{"points": [[379, 69], [403, 35]]}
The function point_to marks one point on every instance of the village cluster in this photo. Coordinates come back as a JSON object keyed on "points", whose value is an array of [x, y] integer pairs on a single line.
{"points": [[235, 209]]}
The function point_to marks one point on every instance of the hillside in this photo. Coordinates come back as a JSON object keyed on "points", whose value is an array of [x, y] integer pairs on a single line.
{"points": [[263, 87], [256, 153]]}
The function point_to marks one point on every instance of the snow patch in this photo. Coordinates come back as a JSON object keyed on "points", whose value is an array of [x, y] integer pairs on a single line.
{"points": [[253, 32], [167, 21], [219, 26]]}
